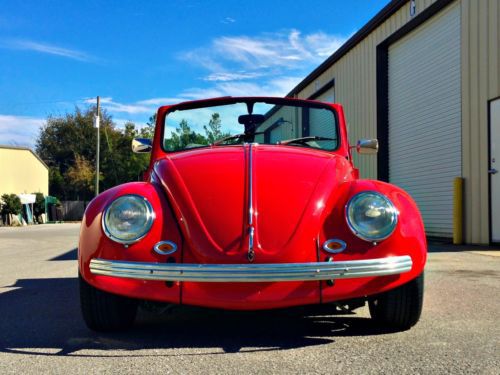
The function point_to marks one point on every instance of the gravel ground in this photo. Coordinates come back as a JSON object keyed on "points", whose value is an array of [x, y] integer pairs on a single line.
{"points": [[41, 330]]}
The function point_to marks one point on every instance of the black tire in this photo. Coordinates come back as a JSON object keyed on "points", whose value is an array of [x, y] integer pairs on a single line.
{"points": [[104, 311], [399, 309]]}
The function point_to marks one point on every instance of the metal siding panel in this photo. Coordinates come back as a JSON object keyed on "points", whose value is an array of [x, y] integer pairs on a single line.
{"points": [[425, 117], [481, 82], [355, 85], [493, 48], [474, 213], [483, 204], [466, 117]]}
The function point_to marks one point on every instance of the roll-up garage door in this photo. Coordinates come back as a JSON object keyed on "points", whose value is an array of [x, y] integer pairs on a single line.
{"points": [[425, 117], [320, 122]]}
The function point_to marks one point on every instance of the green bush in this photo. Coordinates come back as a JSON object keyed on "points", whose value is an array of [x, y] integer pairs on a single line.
{"points": [[39, 207], [11, 205]]}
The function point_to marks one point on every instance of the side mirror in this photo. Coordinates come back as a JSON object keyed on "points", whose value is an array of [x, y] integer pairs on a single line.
{"points": [[367, 146], [141, 145]]}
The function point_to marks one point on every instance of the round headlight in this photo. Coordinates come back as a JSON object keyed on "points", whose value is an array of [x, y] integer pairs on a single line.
{"points": [[371, 216], [128, 219]]}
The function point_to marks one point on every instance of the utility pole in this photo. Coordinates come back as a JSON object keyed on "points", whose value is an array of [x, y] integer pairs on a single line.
{"points": [[98, 146]]}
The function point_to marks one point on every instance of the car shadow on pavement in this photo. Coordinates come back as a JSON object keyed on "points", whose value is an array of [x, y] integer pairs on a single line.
{"points": [[42, 317], [68, 255]]}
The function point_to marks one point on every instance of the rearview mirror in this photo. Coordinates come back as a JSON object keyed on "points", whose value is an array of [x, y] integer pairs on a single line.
{"points": [[251, 119], [367, 146], [141, 145]]}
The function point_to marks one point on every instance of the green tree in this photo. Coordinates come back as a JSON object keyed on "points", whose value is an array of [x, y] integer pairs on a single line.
{"points": [[63, 139], [131, 167], [214, 129], [80, 177], [184, 137], [57, 186], [148, 131]]}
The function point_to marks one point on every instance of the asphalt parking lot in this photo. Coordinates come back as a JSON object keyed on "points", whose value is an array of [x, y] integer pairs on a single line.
{"points": [[41, 329]]}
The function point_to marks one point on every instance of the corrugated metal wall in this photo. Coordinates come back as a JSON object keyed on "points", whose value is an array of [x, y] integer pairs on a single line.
{"points": [[356, 84], [425, 143], [355, 87], [480, 83]]}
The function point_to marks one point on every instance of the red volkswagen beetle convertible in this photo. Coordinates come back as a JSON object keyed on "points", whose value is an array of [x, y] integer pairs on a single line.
{"points": [[252, 203]]}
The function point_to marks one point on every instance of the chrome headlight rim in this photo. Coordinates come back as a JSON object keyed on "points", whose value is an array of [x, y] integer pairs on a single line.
{"points": [[150, 218], [394, 216]]}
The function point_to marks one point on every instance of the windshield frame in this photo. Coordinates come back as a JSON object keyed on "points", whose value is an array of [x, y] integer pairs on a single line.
{"points": [[228, 100]]}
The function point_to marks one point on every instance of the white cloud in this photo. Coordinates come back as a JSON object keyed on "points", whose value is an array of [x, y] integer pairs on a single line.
{"points": [[228, 20], [142, 108], [127, 108], [323, 44], [284, 85], [28, 45], [115, 107], [273, 87], [158, 101], [19, 130], [233, 58], [103, 100], [269, 64], [228, 76]]}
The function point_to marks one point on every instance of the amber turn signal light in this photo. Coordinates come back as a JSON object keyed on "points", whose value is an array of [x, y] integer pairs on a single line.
{"points": [[165, 247], [334, 246]]}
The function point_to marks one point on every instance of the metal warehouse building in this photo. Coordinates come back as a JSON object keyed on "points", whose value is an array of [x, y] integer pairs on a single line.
{"points": [[22, 171], [423, 77]]}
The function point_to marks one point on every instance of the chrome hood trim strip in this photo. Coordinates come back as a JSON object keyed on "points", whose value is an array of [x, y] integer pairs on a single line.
{"points": [[250, 185], [252, 272], [251, 228]]}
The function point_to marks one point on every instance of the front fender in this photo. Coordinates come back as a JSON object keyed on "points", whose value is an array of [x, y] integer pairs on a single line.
{"points": [[408, 239], [95, 244]]}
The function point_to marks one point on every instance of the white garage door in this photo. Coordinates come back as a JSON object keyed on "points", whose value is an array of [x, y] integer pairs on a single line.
{"points": [[320, 122], [425, 117]]}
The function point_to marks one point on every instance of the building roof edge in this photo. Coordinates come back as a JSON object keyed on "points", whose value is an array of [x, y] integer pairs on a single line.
{"points": [[375, 22], [26, 149]]}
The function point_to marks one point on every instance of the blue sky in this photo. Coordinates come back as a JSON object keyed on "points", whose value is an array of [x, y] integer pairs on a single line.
{"points": [[138, 55]]}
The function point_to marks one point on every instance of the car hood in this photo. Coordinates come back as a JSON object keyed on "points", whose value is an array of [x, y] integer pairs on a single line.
{"points": [[209, 191]]}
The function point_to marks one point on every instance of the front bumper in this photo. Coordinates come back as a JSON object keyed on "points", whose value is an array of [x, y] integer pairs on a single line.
{"points": [[245, 273]]}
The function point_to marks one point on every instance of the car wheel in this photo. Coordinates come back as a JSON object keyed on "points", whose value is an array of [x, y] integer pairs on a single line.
{"points": [[400, 308], [104, 311]]}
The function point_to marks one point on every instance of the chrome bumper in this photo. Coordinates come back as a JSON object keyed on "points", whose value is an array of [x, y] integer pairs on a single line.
{"points": [[252, 272]]}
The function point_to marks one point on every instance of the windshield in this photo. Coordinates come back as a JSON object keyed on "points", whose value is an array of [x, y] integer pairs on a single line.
{"points": [[296, 124]]}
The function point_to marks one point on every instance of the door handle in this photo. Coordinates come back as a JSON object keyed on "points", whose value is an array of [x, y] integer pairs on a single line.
{"points": [[492, 171]]}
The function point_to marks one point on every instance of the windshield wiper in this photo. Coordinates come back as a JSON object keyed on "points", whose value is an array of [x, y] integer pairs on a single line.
{"points": [[302, 140], [235, 136], [228, 138]]}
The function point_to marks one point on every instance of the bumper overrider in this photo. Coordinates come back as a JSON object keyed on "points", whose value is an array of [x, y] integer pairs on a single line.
{"points": [[245, 273]]}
